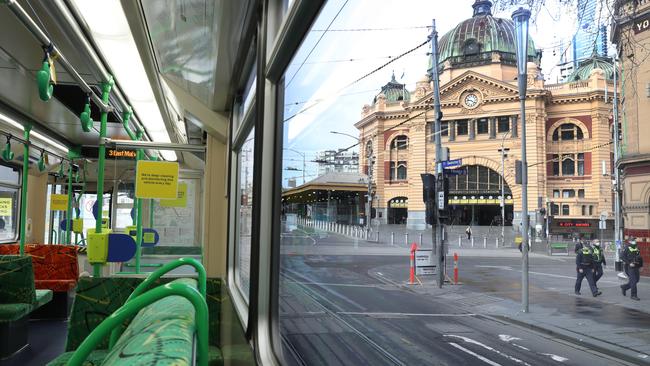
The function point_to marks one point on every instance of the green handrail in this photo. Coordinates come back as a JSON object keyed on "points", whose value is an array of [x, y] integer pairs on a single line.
{"points": [[106, 92], [68, 213], [132, 307], [155, 275], [23, 190]]}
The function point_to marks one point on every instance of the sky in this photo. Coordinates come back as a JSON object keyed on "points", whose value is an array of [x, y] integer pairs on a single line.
{"points": [[327, 62]]}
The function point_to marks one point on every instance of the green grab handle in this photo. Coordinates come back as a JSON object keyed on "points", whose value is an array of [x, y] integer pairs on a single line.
{"points": [[155, 275], [41, 164], [86, 120], [7, 154], [45, 87], [132, 307]]}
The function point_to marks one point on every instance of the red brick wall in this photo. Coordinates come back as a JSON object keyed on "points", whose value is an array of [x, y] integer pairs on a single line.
{"points": [[643, 241]]}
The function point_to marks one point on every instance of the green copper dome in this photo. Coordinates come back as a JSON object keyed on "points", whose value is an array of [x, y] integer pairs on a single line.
{"points": [[587, 66], [394, 91], [473, 40]]}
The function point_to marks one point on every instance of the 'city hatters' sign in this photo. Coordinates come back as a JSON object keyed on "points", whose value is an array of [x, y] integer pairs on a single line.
{"points": [[642, 24]]}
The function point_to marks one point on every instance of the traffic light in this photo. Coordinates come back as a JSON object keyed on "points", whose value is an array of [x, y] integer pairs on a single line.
{"points": [[518, 172], [428, 196]]}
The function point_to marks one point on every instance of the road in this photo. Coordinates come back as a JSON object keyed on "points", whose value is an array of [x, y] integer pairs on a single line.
{"points": [[355, 310]]}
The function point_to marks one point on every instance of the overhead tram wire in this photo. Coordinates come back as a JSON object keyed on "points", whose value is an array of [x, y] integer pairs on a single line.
{"points": [[316, 44], [356, 81], [371, 29]]}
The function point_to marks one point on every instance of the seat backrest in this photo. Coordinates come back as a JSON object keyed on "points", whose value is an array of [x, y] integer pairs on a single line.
{"points": [[17, 279], [50, 261], [54, 262], [162, 330]]}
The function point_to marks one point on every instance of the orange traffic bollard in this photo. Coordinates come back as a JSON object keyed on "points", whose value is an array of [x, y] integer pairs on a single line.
{"points": [[414, 247], [456, 268]]}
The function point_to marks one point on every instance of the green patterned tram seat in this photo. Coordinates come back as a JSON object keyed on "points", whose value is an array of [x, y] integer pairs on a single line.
{"points": [[18, 298], [161, 333]]}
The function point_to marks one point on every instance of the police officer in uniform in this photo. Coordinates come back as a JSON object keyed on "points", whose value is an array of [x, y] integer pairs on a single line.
{"points": [[599, 262], [634, 262], [585, 268]]}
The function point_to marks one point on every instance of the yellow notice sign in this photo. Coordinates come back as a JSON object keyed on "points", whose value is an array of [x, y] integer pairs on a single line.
{"points": [[59, 202], [6, 206], [181, 199], [156, 179]]}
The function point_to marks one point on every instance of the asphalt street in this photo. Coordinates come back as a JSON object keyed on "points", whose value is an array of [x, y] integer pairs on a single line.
{"points": [[355, 310]]}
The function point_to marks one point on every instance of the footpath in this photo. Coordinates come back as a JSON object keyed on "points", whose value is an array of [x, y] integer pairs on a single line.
{"points": [[609, 324]]}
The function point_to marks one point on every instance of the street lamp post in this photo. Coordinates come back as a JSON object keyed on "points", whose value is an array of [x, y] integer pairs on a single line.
{"points": [[503, 151], [371, 160], [520, 18], [304, 161]]}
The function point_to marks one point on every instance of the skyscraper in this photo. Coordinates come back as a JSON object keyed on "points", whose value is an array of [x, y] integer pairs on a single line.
{"points": [[591, 36]]}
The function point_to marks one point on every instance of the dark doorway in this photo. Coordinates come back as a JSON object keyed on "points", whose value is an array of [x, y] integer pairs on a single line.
{"points": [[398, 211]]}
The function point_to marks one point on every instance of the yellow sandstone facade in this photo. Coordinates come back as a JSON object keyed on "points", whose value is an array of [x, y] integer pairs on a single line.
{"points": [[568, 135]]}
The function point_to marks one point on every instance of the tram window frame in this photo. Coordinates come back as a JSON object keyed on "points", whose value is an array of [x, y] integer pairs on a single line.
{"points": [[286, 28], [15, 187]]}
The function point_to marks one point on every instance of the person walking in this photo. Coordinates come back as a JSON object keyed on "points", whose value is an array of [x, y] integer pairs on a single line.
{"points": [[468, 231], [599, 262], [585, 268], [634, 262]]}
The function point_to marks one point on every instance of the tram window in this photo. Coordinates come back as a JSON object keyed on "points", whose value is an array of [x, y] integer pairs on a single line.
{"points": [[244, 214], [462, 128], [8, 213], [9, 198], [503, 124], [9, 175], [482, 126]]}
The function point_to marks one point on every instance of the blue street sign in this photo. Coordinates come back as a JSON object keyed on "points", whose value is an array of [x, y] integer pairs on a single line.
{"points": [[456, 171], [452, 163]]}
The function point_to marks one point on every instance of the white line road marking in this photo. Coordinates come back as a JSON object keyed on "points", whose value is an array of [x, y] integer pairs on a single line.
{"points": [[470, 340], [488, 361], [508, 338], [505, 268], [335, 284], [405, 314], [555, 357]]}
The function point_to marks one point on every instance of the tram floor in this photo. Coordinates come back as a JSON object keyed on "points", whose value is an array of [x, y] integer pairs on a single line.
{"points": [[46, 342]]}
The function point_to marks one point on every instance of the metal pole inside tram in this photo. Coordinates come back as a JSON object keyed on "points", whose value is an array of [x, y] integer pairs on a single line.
{"points": [[68, 214], [106, 92], [23, 190], [138, 220]]}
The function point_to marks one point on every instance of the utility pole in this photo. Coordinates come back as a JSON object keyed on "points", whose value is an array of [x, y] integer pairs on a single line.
{"points": [[503, 188], [520, 18], [371, 161], [437, 231], [617, 189]]}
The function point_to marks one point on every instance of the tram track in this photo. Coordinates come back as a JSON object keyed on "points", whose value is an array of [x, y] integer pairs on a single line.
{"points": [[319, 300]]}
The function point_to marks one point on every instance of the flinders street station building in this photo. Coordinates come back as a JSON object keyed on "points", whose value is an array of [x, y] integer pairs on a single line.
{"points": [[569, 134]]}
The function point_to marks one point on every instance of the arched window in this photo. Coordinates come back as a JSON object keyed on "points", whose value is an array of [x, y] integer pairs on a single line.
{"points": [[400, 142], [568, 132]]}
